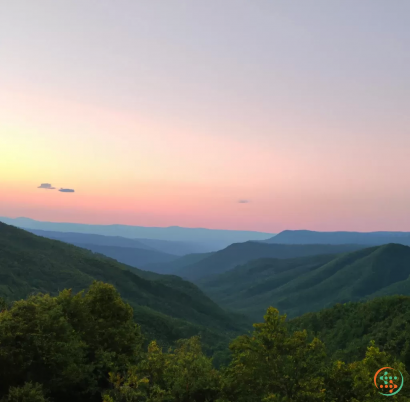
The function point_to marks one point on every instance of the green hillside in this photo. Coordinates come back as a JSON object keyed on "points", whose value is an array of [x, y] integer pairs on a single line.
{"points": [[298, 286], [347, 329], [240, 253], [166, 307]]}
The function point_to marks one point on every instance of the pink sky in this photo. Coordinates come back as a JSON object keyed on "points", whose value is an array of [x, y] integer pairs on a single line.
{"points": [[305, 117]]}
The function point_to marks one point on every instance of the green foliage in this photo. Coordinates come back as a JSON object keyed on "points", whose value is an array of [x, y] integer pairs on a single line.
{"points": [[183, 374], [274, 364], [28, 392], [271, 364], [86, 347], [347, 329], [67, 343]]}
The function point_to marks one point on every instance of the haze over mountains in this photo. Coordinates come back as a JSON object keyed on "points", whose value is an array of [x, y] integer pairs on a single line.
{"points": [[164, 246], [209, 239]]}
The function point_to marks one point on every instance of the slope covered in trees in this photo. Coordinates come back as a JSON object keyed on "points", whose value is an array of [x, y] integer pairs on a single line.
{"points": [[298, 286], [348, 328], [166, 307], [240, 253], [87, 348]]}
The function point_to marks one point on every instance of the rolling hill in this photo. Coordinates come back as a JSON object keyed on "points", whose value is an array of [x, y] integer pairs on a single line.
{"points": [[297, 286], [240, 253], [368, 239], [166, 307]]}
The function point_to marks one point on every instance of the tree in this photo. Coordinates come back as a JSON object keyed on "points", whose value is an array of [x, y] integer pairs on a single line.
{"points": [[272, 364], [68, 343], [184, 374], [38, 344], [113, 340], [363, 371], [29, 392]]}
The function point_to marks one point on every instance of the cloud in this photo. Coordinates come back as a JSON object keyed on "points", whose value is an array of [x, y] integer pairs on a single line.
{"points": [[66, 190], [243, 202], [47, 186]]}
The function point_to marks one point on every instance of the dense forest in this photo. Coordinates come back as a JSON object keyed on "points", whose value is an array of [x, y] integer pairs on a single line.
{"points": [[348, 328], [87, 347], [78, 326]]}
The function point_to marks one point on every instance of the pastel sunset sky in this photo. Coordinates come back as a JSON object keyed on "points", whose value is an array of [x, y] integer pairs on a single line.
{"points": [[229, 114]]}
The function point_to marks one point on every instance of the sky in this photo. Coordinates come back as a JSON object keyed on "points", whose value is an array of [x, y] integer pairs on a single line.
{"points": [[249, 115]]}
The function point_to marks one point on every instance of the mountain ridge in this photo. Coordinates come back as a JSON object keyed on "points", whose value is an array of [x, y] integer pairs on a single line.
{"points": [[240, 253], [340, 237], [213, 239], [298, 286]]}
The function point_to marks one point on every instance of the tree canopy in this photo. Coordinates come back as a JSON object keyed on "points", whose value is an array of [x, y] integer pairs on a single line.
{"points": [[87, 347]]}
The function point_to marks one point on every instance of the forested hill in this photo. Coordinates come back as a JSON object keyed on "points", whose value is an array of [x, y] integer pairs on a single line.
{"points": [[298, 286], [347, 329], [240, 253], [167, 307]]}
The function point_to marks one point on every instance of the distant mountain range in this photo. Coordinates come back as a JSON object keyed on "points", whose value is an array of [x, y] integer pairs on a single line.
{"points": [[311, 237], [164, 246], [200, 266], [202, 240], [127, 251], [301, 285], [244, 278], [291, 271]]}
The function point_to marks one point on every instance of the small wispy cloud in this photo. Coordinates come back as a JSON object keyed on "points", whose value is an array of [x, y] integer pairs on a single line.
{"points": [[244, 201], [47, 186]]}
